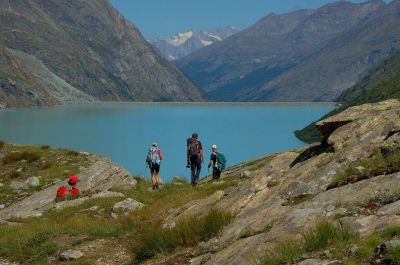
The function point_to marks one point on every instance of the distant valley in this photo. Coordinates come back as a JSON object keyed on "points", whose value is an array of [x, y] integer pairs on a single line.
{"points": [[306, 55]]}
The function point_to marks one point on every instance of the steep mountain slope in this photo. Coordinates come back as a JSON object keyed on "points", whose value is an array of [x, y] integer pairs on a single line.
{"points": [[25, 81], [383, 82], [182, 44], [93, 48], [308, 55]]}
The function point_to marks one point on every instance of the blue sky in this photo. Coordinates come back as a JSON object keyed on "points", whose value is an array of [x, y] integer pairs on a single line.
{"points": [[162, 18]]}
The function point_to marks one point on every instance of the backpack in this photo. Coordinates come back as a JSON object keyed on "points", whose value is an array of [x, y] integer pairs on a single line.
{"points": [[153, 157], [221, 161], [194, 147], [62, 191], [74, 191]]}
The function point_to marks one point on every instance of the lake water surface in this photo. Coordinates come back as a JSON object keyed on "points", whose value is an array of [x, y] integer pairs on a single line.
{"points": [[124, 132]]}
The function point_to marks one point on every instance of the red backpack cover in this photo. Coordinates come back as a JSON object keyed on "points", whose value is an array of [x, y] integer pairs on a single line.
{"points": [[62, 191], [74, 191]]}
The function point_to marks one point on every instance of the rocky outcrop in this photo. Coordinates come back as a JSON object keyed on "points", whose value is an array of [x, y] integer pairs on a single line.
{"points": [[97, 179], [127, 206], [267, 214], [70, 255]]}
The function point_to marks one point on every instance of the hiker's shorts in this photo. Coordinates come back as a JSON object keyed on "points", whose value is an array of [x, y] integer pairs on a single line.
{"points": [[155, 168]]}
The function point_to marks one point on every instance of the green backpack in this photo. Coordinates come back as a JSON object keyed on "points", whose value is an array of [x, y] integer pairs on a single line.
{"points": [[221, 161]]}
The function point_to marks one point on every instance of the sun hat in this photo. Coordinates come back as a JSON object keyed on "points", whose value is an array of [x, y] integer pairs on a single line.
{"points": [[214, 146], [154, 144]]}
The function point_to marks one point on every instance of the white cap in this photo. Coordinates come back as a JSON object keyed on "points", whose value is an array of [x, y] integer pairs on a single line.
{"points": [[214, 146], [154, 144]]}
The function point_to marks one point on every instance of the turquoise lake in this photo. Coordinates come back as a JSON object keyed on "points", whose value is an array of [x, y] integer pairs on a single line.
{"points": [[123, 132]]}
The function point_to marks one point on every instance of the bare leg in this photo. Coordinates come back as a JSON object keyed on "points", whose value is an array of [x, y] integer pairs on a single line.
{"points": [[154, 180], [157, 179]]}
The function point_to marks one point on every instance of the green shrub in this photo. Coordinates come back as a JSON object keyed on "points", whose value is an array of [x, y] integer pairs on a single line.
{"points": [[2, 144], [45, 147], [187, 232]]}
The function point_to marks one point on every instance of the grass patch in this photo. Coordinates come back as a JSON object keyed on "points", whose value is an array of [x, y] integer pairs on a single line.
{"points": [[273, 183], [377, 165], [187, 232], [249, 232], [29, 156], [72, 153], [45, 147], [16, 241], [298, 199], [394, 254], [13, 175], [31, 242], [326, 234], [391, 231], [367, 246], [323, 235]]}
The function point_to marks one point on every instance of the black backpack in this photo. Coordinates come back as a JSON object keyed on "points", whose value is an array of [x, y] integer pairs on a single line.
{"points": [[194, 147]]}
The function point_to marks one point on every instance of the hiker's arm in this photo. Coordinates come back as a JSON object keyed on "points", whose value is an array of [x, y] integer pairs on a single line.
{"points": [[211, 161], [160, 154], [202, 156]]}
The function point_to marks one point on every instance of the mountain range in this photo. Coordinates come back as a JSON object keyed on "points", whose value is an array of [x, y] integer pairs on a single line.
{"points": [[58, 51], [182, 44], [306, 55]]}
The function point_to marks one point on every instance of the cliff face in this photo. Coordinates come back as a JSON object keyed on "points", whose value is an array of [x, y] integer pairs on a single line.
{"points": [[93, 48], [284, 194]]}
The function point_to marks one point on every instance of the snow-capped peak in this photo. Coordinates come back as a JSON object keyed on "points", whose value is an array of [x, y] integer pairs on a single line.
{"points": [[180, 38], [215, 36], [182, 44], [206, 42]]}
